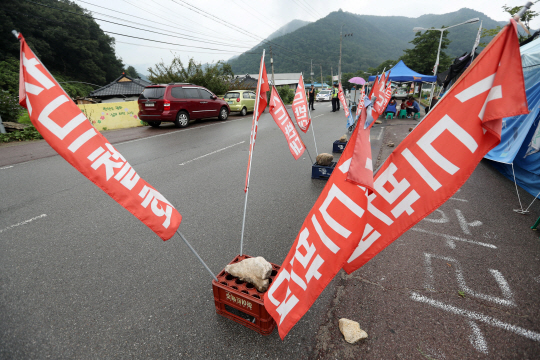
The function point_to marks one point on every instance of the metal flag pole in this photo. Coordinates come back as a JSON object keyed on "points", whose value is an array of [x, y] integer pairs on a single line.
{"points": [[252, 148], [197, 255]]}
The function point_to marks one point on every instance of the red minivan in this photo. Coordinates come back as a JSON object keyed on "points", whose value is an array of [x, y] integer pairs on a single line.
{"points": [[179, 103]]}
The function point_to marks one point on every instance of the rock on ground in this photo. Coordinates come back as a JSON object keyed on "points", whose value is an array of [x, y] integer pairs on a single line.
{"points": [[351, 330], [324, 159], [254, 270], [343, 139]]}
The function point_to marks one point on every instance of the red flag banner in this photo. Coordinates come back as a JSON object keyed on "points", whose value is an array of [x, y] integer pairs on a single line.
{"points": [[341, 96], [375, 86], [382, 101], [327, 237], [300, 106], [360, 104], [283, 120], [262, 88], [361, 169], [70, 134], [436, 159]]}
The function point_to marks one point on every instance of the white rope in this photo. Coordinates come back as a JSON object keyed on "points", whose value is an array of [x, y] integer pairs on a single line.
{"points": [[532, 202]]}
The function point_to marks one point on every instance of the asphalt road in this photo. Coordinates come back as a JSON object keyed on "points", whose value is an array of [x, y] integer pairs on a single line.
{"points": [[81, 278]]}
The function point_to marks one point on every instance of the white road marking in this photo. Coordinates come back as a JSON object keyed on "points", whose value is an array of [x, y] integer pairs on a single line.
{"points": [[213, 152], [23, 222], [442, 220], [174, 132], [450, 239], [472, 315], [477, 338], [459, 199], [508, 297], [317, 116], [464, 224], [6, 167]]}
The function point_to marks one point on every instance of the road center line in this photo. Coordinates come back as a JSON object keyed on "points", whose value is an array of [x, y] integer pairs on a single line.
{"points": [[213, 152], [174, 132], [23, 223]]}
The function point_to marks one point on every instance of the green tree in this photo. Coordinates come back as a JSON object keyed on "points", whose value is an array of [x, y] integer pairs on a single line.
{"points": [[216, 77], [132, 72], [422, 57], [525, 19]]}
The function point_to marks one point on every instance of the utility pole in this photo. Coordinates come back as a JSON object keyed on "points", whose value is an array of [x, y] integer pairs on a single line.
{"points": [[321, 78], [332, 74], [341, 36], [272, 66]]}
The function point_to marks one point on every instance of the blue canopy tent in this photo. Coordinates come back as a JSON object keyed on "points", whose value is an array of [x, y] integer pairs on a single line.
{"points": [[401, 73], [517, 156]]}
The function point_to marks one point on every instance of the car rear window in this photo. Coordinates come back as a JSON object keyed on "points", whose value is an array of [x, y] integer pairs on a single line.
{"points": [[232, 95], [153, 93]]}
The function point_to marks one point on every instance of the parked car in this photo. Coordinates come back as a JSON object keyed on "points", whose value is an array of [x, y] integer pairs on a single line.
{"points": [[241, 100], [179, 103], [401, 94], [324, 95]]}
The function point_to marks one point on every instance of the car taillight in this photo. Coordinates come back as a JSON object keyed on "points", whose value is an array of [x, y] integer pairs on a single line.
{"points": [[166, 104], [238, 100]]}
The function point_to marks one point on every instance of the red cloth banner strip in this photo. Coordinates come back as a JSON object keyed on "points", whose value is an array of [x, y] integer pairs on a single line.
{"points": [[300, 106], [262, 88], [341, 96], [70, 134], [436, 159], [361, 169], [283, 120], [329, 234]]}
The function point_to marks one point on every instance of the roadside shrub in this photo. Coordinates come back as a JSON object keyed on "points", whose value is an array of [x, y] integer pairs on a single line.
{"points": [[29, 133], [9, 106], [286, 94]]}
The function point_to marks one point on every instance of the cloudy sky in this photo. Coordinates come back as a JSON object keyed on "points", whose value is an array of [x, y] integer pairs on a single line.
{"points": [[212, 30]]}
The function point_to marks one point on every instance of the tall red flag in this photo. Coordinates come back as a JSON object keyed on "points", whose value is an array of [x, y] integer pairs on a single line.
{"points": [[260, 105], [436, 159], [68, 131], [326, 239], [300, 106], [283, 120]]}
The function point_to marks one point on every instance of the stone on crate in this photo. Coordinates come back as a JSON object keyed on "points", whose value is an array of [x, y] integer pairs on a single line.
{"points": [[254, 270], [324, 159], [343, 138], [351, 330]]}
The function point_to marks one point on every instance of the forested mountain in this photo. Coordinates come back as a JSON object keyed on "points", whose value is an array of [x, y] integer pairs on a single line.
{"points": [[375, 39], [288, 28], [63, 35]]}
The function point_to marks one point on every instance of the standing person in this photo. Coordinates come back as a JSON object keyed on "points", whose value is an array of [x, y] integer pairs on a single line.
{"points": [[335, 100], [311, 97]]}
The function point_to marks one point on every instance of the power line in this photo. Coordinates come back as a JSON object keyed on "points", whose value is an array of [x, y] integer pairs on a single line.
{"points": [[153, 21], [134, 27], [164, 48]]}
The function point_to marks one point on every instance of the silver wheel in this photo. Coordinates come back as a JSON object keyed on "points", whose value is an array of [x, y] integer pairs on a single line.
{"points": [[182, 119], [243, 112], [223, 113]]}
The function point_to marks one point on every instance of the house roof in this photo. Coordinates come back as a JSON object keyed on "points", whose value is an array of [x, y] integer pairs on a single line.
{"points": [[124, 85]]}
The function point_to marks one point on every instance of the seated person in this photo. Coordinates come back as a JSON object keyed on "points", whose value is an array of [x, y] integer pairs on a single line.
{"points": [[416, 107], [391, 107], [403, 105], [409, 106]]}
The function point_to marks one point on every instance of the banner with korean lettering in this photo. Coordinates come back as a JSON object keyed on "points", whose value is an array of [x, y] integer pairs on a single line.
{"points": [[360, 104], [330, 232], [346, 109], [70, 134], [283, 120], [300, 106], [436, 159]]}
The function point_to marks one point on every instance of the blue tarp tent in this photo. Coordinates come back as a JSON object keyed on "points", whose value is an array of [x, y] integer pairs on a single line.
{"points": [[401, 73], [518, 152]]}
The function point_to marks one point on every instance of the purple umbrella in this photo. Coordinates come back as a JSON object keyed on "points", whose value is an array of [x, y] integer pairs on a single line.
{"points": [[357, 80]]}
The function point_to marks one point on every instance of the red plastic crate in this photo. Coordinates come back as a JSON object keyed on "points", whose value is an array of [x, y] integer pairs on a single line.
{"points": [[241, 301]]}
